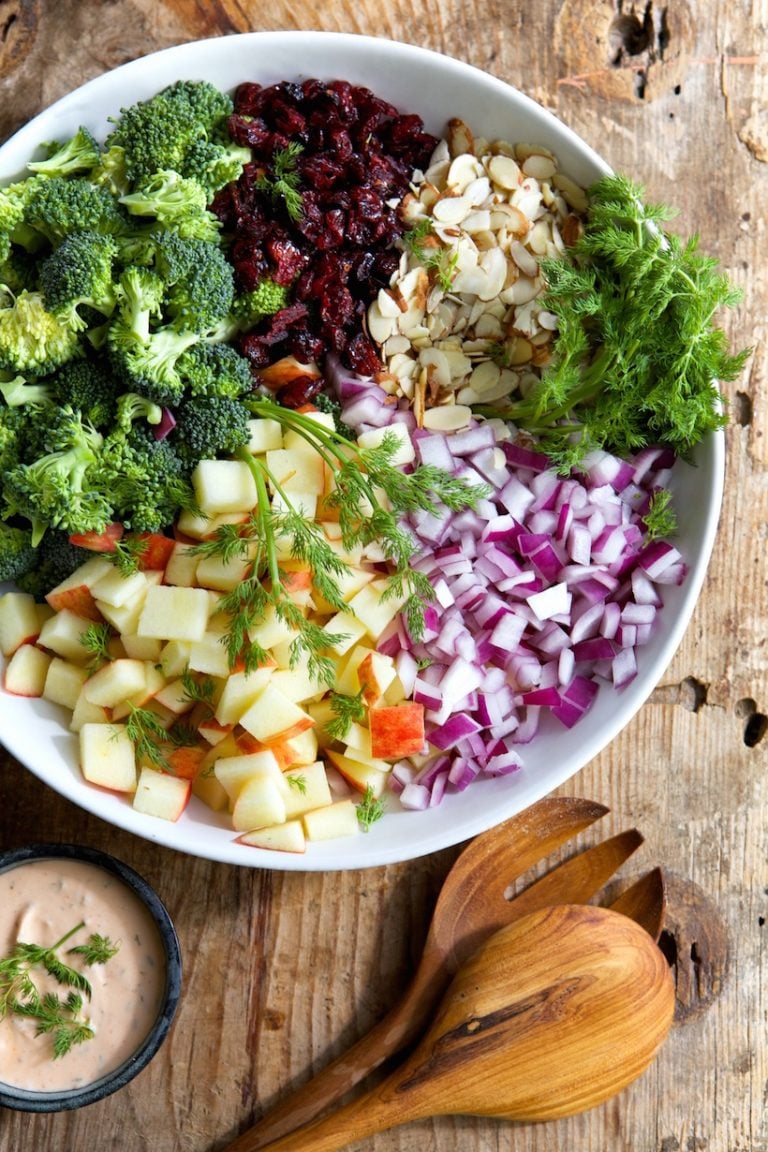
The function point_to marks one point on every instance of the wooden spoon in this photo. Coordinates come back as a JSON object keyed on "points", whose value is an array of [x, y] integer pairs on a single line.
{"points": [[472, 904], [552, 1015]]}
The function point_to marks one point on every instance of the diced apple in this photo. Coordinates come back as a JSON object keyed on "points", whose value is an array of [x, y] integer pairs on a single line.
{"points": [[116, 590], [223, 486], [155, 551], [181, 566], [107, 756], [115, 682], [86, 713], [397, 731], [213, 732], [209, 655], [75, 594], [297, 683], [26, 671], [284, 370], [210, 790], [233, 772], [174, 658], [373, 610], [184, 761], [271, 630], [220, 574], [19, 621], [358, 774], [348, 584], [260, 802], [240, 692], [293, 439], [307, 789], [265, 435], [288, 837], [404, 453], [338, 819], [160, 794], [347, 679], [142, 647], [171, 613], [124, 618], [274, 718], [303, 503], [347, 628], [375, 673], [64, 682], [154, 682], [63, 634], [174, 696], [299, 750]]}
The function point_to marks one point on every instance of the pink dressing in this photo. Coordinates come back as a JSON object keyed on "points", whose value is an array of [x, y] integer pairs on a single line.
{"points": [[42, 900]]}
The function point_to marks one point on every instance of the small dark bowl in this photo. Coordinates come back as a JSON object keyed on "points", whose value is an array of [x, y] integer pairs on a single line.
{"points": [[25, 1100]]}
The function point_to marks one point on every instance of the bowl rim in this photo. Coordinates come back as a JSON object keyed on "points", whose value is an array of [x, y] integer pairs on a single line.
{"points": [[148, 74], [28, 1100]]}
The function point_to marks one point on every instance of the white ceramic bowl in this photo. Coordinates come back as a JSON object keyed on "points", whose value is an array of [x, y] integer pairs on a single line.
{"points": [[436, 87]]}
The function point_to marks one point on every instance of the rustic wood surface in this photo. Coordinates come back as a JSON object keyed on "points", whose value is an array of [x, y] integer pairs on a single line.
{"points": [[283, 970]]}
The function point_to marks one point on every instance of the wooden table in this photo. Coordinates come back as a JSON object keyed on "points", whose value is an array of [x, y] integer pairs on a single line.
{"points": [[284, 970]]}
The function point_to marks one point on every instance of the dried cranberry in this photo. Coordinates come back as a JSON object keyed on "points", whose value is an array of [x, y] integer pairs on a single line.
{"points": [[299, 391]]}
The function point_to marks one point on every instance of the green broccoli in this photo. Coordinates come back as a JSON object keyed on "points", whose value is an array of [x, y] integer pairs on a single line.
{"points": [[263, 300], [17, 552], [157, 134], [80, 154], [19, 269], [214, 163], [110, 171], [57, 206], [199, 282], [17, 392], [32, 339], [79, 272], [55, 558], [23, 435], [131, 407], [88, 386], [147, 479], [57, 490], [210, 426], [14, 228], [215, 370]]}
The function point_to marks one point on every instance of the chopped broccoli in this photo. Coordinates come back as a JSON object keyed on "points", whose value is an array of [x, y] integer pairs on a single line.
{"points": [[79, 272], [88, 386], [215, 370], [57, 490], [57, 206], [80, 154], [199, 282], [264, 300], [55, 558], [17, 552], [210, 426], [140, 298], [19, 269], [17, 392], [147, 479], [214, 163], [110, 171], [167, 197], [32, 339], [156, 134], [131, 407]]}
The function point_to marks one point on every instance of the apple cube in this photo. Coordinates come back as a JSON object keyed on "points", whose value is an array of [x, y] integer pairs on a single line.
{"points": [[154, 682], [347, 628], [210, 790], [184, 761], [274, 718], [375, 673], [171, 613], [265, 435], [63, 634], [303, 503], [173, 696], [297, 470], [107, 757], [297, 683], [142, 647], [405, 453], [271, 630], [301, 749], [86, 713], [347, 680], [223, 486], [26, 671], [220, 574], [338, 819], [240, 691], [64, 682], [75, 594], [115, 589], [181, 566], [397, 730], [292, 439], [372, 610], [233, 772], [307, 789], [19, 621], [212, 732], [209, 655], [116, 682], [174, 658], [161, 795], [359, 775], [288, 837], [260, 802]]}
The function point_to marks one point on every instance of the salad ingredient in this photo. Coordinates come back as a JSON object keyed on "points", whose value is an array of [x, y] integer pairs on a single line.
{"points": [[81, 974]]}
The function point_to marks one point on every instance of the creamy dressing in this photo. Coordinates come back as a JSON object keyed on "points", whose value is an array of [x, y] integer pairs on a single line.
{"points": [[42, 900]]}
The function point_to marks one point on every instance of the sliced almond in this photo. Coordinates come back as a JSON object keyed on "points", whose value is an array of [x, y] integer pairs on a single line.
{"points": [[449, 418]]}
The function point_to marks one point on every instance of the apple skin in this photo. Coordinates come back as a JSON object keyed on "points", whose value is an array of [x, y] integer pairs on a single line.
{"points": [[397, 730]]}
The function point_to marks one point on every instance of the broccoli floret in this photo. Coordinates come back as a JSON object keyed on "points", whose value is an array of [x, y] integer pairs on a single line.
{"points": [[57, 206], [215, 370], [110, 171], [17, 392], [17, 552], [80, 154], [140, 298], [88, 386], [263, 300], [131, 407], [174, 200], [214, 163], [14, 228], [79, 272], [23, 435], [156, 134], [19, 269], [32, 339], [58, 490], [199, 282], [147, 479], [55, 558], [210, 426]]}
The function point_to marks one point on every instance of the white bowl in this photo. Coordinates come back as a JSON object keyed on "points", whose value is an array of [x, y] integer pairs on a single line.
{"points": [[436, 87]]}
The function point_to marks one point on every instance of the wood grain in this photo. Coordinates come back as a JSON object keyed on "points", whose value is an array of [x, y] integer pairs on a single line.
{"points": [[283, 971]]}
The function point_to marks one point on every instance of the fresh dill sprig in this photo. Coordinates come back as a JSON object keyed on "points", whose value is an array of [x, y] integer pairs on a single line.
{"points": [[147, 734], [127, 553], [347, 710], [95, 639], [661, 519], [637, 359], [299, 783], [370, 809], [198, 689], [433, 256], [282, 183], [20, 996]]}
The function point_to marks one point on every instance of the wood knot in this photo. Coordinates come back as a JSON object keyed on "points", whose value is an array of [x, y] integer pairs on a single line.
{"points": [[695, 942], [19, 21], [624, 50]]}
